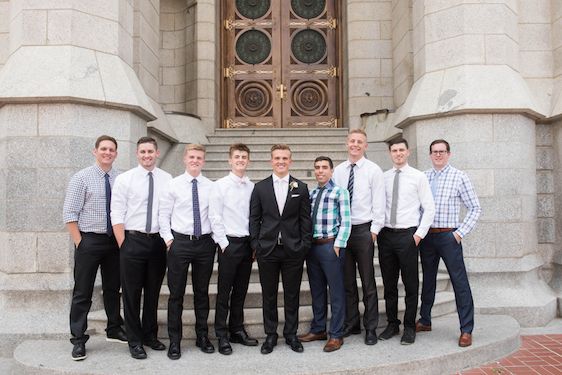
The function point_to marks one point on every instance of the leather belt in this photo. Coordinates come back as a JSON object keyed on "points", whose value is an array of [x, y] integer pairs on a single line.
{"points": [[359, 226], [399, 230], [142, 234], [238, 239], [321, 241], [441, 230], [190, 237]]}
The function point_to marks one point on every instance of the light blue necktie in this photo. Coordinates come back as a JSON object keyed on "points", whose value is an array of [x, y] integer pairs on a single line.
{"points": [[435, 183]]}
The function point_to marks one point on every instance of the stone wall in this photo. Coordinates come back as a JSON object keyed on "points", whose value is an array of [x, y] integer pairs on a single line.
{"points": [[146, 46], [4, 31]]}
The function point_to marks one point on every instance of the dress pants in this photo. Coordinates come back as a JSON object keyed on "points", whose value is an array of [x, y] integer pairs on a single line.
{"points": [[444, 245], [325, 269], [201, 255], [235, 267], [398, 253], [143, 265], [290, 266], [95, 250], [359, 255]]}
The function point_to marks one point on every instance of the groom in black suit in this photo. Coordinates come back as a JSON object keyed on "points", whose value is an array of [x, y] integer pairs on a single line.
{"points": [[281, 233]]}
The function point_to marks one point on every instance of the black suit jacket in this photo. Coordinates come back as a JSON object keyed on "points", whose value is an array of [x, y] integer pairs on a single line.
{"points": [[295, 224]]}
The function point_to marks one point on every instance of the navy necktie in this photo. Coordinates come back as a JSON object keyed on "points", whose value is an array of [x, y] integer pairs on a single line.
{"points": [[149, 204], [350, 183], [109, 228], [317, 204], [196, 214]]}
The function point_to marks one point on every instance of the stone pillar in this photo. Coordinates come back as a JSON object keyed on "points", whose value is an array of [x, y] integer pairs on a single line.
{"points": [[468, 90], [68, 79]]}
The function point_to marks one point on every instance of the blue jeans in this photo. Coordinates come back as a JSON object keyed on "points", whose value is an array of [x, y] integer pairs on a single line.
{"points": [[444, 245], [325, 270]]}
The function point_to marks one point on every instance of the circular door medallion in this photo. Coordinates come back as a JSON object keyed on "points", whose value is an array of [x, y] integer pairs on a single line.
{"points": [[252, 9], [253, 47], [308, 8], [310, 98], [253, 99], [308, 46]]}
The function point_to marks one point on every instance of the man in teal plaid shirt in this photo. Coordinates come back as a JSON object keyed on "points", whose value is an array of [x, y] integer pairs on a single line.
{"points": [[331, 220]]}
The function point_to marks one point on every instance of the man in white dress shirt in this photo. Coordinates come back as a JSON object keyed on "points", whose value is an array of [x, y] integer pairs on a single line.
{"points": [[186, 229], [407, 194], [229, 211], [134, 215], [365, 182]]}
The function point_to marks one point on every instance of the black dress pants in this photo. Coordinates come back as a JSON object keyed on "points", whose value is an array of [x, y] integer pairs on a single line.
{"points": [[398, 253], [290, 266], [201, 255], [359, 255], [235, 267], [143, 265], [93, 252]]}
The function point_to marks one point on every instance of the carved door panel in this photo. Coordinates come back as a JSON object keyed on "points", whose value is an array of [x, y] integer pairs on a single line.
{"points": [[280, 63]]}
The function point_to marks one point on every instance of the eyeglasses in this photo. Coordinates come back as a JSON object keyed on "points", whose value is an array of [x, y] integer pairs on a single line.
{"points": [[439, 152]]}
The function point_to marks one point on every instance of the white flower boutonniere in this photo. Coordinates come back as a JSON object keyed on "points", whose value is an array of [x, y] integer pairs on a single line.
{"points": [[293, 185]]}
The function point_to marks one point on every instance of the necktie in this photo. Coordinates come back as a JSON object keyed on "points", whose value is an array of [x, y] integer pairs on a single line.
{"points": [[109, 228], [196, 213], [435, 183], [350, 183], [394, 203], [317, 204], [149, 204]]}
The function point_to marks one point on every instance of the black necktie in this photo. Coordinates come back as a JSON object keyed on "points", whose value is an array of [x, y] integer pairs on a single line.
{"points": [[317, 204], [350, 183], [109, 228], [149, 204]]}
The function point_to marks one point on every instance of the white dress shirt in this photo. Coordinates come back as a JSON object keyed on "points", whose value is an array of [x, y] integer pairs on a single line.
{"points": [[176, 206], [281, 188], [229, 208], [129, 198], [414, 194], [368, 192]]}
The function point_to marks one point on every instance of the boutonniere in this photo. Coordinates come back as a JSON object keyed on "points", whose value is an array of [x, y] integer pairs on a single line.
{"points": [[293, 185]]}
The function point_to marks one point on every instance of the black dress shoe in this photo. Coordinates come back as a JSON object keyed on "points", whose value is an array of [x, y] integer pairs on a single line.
{"points": [[117, 335], [174, 351], [269, 344], [224, 346], [79, 351], [351, 331], [241, 337], [205, 344], [390, 331], [371, 337], [156, 345], [295, 344], [409, 336], [137, 352]]}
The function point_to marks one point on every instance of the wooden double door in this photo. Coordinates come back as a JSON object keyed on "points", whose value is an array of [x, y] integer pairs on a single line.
{"points": [[280, 63]]}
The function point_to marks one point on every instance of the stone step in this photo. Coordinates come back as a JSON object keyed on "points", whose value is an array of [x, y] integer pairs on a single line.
{"points": [[257, 174], [270, 140], [254, 296], [253, 317], [265, 156], [262, 164], [296, 147], [280, 132]]}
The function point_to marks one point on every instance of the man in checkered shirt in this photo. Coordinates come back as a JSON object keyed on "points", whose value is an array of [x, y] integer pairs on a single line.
{"points": [[450, 187], [86, 215]]}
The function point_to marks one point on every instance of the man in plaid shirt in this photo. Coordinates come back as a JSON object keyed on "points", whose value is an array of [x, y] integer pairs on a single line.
{"points": [[331, 220], [450, 188]]}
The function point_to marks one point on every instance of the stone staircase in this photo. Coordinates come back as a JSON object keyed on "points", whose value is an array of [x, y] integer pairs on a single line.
{"points": [[306, 145]]}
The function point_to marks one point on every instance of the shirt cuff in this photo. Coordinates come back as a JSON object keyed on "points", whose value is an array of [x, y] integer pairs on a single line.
{"points": [[223, 244], [375, 229]]}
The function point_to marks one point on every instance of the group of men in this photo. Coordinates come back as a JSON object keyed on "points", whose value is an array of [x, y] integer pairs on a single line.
{"points": [[137, 224]]}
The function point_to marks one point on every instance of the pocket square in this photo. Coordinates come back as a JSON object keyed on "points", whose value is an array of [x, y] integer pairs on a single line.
{"points": [[295, 195]]}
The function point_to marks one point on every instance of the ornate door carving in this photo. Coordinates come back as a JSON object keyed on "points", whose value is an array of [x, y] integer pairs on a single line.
{"points": [[280, 63]]}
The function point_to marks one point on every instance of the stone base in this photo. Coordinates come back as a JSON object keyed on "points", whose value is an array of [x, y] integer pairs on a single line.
{"points": [[433, 353]]}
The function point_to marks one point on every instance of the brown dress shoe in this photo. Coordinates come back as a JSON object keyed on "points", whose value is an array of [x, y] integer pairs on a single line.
{"points": [[422, 327], [465, 339], [311, 336], [332, 345]]}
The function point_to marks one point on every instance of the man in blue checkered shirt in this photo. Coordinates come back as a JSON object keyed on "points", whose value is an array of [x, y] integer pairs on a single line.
{"points": [[331, 220], [450, 188]]}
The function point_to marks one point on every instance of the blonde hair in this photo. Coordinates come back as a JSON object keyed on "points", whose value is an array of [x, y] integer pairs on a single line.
{"points": [[280, 146], [193, 146], [357, 131]]}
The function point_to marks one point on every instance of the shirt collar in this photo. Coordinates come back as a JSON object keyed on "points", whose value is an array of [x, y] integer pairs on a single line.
{"points": [[359, 163], [445, 168], [239, 180], [330, 184], [101, 172], [191, 178], [144, 171], [403, 169], [276, 178]]}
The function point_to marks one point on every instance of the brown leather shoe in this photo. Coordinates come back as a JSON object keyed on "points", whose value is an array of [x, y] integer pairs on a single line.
{"points": [[465, 339], [332, 345], [311, 336], [422, 327]]}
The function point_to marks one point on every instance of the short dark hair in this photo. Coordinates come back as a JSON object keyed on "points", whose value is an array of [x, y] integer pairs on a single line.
{"points": [[238, 147], [147, 140], [437, 141], [396, 141], [104, 137], [324, 158]]}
